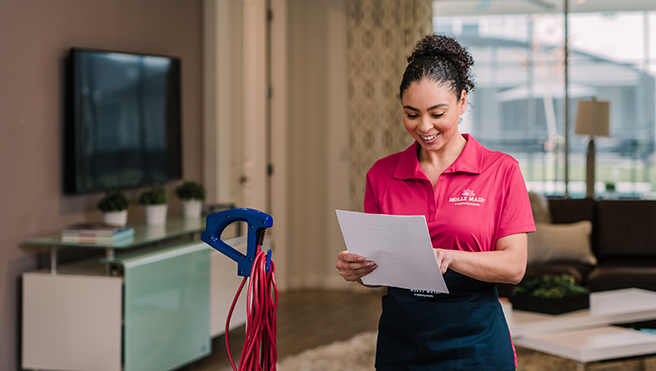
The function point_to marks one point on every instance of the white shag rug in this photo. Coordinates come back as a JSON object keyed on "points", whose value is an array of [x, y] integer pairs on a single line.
{"points": [[355, 354]]}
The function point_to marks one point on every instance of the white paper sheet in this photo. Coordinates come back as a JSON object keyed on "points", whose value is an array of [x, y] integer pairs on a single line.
{"points": [[399, 245]]}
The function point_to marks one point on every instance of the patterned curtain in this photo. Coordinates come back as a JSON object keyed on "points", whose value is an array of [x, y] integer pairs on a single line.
{"points": [[381, 34]]}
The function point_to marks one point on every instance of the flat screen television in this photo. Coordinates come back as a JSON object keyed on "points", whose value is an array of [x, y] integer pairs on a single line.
{"points": [[123, 125]]}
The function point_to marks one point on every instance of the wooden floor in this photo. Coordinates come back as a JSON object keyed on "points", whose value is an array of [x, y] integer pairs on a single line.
{"points": [[306, 319]]}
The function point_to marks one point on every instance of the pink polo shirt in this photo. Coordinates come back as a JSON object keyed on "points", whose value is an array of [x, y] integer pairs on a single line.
{"points": [[477, 200]]}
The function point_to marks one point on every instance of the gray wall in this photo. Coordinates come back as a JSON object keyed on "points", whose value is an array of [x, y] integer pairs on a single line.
{"points": [[34, 38]]}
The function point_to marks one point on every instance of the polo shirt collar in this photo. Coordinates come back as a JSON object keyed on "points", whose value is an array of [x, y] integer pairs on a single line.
{"points": [[469, 161]]}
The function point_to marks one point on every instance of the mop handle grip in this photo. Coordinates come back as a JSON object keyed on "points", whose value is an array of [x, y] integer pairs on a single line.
{"points": [[257, 222]]}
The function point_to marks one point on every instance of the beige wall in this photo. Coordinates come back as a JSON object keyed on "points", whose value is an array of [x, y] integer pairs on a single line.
{"points": [[318, 140], [34, 38]]}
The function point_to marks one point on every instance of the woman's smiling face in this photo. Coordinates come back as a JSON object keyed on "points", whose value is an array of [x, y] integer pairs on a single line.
{"points": [[431, 113]]}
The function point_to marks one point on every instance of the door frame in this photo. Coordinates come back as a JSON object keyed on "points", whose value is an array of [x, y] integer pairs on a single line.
{"points": [[239, 149]]}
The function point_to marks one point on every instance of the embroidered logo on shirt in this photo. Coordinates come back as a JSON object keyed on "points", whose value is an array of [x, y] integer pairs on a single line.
{"points": [[468, 192], [467, 197]]}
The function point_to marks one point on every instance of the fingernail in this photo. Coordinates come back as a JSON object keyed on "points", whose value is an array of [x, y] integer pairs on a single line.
{"points": [[369, 264], [360, 259]]}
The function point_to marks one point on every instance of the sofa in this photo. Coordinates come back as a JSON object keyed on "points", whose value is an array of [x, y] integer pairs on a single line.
{"points": [[604, 244]]}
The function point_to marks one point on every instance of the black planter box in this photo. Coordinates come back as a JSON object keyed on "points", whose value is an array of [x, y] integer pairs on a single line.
{"points": [[550, 306]]}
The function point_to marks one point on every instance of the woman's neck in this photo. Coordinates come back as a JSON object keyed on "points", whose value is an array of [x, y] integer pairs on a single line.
{"points": [[435, 162], [445, 156]]}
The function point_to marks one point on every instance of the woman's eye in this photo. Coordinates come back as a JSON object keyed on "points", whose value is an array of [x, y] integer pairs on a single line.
{"points": [[411, 116], [437, 115]]}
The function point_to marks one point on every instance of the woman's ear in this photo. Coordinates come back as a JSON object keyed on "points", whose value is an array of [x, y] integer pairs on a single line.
{"points": [[462, 103]]}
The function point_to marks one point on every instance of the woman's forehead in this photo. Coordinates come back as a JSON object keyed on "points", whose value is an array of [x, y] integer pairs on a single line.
{"points": [[429, 91]]}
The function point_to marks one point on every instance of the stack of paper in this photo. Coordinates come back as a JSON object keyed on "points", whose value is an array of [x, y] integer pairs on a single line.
{"points": [[92, 233], [399, 245]]}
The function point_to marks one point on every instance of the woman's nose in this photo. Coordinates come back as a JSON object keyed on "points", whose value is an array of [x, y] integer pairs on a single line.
{"points": [[425, 125]]}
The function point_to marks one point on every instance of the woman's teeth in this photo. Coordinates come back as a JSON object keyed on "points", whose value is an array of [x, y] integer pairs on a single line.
{"points": [[426, 138]]}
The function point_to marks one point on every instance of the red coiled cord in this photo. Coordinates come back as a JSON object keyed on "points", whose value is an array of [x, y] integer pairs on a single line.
{"points": [[259, 352]]}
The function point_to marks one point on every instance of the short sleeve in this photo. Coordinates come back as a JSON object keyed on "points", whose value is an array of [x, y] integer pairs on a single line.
{"points": [[516, 215], [370, 201]]}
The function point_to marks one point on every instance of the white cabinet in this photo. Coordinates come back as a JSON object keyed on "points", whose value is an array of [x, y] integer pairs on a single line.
{"points": [[72, 321], [76, 319]]}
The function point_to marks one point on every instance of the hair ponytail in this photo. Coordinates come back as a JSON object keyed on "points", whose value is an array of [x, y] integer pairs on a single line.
{"points": [[441, 59]]}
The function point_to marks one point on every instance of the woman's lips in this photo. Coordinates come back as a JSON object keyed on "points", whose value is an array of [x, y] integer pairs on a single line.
{"points": [[429, 138]]}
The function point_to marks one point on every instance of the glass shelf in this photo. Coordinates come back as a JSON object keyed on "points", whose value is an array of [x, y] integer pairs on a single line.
{"points": [[175, 226], [143, 234]]}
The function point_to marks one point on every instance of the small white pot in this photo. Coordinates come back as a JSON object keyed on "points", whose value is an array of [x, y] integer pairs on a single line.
{"points": [[192, 209], [117, 218], [156, 214]]}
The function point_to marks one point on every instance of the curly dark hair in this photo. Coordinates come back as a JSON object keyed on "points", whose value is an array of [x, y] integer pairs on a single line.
{"points": [[441, 59]]}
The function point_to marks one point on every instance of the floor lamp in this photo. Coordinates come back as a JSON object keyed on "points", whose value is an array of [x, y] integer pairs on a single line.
{"points": [[591, 119]]}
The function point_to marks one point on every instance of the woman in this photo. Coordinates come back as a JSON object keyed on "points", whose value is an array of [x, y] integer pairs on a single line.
{"points": [[478, 213]]}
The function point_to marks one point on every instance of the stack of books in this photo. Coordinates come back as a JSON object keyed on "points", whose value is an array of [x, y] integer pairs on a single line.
{"points": [[92, 233]]}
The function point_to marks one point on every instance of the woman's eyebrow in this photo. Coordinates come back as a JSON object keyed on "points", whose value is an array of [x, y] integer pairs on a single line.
{"points": [[430, 109]]}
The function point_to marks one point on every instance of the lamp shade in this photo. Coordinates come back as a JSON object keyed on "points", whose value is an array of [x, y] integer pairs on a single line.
{"points": [[592, 118]]}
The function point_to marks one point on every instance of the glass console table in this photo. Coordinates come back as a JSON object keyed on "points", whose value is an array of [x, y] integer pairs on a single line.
{"points": [[143, 235], [158, 314]]}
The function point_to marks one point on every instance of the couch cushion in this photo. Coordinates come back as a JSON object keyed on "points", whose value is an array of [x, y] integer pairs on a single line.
{"points": [[570, 210], [625, 229], [569, 243], [540, 208], [623, 274]]}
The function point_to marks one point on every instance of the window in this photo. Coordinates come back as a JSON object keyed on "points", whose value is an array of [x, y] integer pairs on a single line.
{"points": [[519, 108]]}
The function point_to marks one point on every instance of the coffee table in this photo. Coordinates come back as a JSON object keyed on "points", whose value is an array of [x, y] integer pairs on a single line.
{"points": [[588, 335]]}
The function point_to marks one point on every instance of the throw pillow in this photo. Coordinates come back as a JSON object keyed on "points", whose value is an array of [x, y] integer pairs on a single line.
{"points": [[561, 243], [540, 208]]}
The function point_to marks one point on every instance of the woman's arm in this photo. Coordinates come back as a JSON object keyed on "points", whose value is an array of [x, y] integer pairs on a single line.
{"points": [[507, 264]]}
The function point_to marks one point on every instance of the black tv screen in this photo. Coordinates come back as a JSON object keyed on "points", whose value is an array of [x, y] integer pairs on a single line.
{"points": [[123, 126]]}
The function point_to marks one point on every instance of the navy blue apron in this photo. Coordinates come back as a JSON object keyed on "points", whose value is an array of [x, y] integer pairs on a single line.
{"points": [[462, 330]]}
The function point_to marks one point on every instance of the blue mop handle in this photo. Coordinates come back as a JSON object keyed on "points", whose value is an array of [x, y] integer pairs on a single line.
{"points": [[257, 222]]}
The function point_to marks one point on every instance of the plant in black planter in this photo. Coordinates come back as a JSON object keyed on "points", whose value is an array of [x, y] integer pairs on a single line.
{"points": [[155, 201], [553, 294], [114, 206], [192, 195]]}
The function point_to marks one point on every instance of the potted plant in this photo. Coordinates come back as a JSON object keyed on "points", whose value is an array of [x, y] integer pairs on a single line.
{"points": [[552, 294], [114, 206], [155, 201], [192, 195]]}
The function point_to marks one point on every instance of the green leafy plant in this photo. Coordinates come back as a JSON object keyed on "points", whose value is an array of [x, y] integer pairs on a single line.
{"points": [[113, 201], [551, 287], [155, 195], [190, 190]]}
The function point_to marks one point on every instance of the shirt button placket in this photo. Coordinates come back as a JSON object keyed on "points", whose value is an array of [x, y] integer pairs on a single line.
{"points": [[438, 193]]}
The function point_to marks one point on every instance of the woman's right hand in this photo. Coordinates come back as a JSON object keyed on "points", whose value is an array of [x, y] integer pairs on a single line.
{"points": [[353, 267]]}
